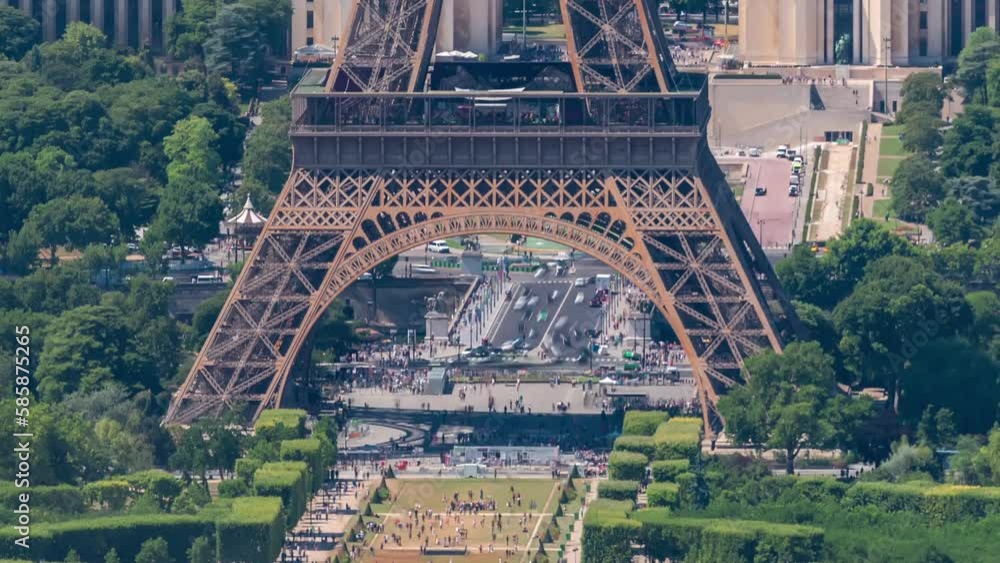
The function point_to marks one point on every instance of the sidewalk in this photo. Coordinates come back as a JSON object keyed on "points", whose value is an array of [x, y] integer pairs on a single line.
{"points": [[326, 518], [574, 545]]}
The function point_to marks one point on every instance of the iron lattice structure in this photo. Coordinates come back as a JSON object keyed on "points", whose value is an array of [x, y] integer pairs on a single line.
{"points": [[621, 172]]}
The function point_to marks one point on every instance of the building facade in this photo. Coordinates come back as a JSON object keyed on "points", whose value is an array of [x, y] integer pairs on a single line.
{"points": [[466, 25], [132, 23], [865, 32]]}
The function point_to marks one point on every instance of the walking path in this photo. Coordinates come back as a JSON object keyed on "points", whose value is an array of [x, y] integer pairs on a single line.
{"points": [[870, 173], [575, 543], [832, 190], [323, 525]]}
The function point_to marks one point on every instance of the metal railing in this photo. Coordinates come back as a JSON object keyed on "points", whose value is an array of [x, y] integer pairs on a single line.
{"points": [[501, 112]]}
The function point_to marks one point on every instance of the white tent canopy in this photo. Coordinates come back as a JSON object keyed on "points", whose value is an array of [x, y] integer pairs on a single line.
{"points": [[247, 217], [608, 381]]}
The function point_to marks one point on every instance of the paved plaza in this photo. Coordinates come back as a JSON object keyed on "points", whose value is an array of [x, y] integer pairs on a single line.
{"points": [[536, 397]]}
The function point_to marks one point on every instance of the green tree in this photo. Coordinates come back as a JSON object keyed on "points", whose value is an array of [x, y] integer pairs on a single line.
{"points": [[953, 375], [978, 194], [18, 33], [236, 46], [73, 222], [201, 551], [863, 243], [189, 215], [807, 277], [982, 47], [72, 556], [923, 87], [268, 154], [985, 329], [787, 403], [968, 145], [916, 188], [899, 306], [953, 223], [83, 350], [189, 28], [112, 556], [191, 152], [921, 134], [154, 550], [21, 252], [130, 194]]}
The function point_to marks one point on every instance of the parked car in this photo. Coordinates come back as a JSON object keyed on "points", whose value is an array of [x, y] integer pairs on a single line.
{"points": [[760, 190]]}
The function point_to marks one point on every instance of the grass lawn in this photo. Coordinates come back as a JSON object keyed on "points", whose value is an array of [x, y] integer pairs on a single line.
{"points": [[880, 209], [892, 130], [887, 166], [436, 494], [552, 31], [892, 146]]}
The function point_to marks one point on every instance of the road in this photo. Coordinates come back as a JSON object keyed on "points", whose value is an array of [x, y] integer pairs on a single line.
{"points": [[772, 216]]}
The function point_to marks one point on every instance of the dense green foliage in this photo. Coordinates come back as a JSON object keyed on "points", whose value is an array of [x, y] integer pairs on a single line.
{"points": [[288, 480], [663, 494], [618, 490], [627, 466], [639, 444], [608, 532], [678, 438], [643, 423], [667, 470]]}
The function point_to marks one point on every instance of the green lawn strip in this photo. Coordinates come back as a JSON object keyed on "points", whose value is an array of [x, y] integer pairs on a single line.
{"points": [[887, 166], [552, 31], [892, 146]]}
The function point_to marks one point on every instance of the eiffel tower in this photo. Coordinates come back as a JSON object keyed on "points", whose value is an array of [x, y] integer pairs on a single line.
{"points": [[601, 148]]}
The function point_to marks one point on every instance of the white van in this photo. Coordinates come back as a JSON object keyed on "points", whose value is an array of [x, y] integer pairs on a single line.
{"points": [[439, 247], [783, 151], [207, 279]]}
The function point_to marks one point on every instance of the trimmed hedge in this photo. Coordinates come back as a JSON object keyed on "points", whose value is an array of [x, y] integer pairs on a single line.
{"points": [[627, 466], [643, 423], [678, 438], [309, 450], [940, 503], [247, 530], [246, 467], [281, 424], [663, 494], [667, 470], [56, 499], [288, 480], [711, 539], [638, 444], [618, 490], [608, 532], [252, 532], [92, 537]]}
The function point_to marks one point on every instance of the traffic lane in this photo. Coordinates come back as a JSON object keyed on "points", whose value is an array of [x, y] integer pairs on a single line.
{"points": [[525, 322], [771, 215], [550, 298], [568, 337]]}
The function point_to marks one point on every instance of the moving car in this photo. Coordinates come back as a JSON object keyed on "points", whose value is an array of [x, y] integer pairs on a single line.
{"points": [[760, 190], [580, 282], [783, 151], [439, 247]]}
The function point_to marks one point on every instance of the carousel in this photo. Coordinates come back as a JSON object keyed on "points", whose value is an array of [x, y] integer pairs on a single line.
{"points": [[242, 230]]}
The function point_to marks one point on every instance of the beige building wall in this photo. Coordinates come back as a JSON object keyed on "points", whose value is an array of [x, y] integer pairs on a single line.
{"points": [[467, 25], [791, 32]]}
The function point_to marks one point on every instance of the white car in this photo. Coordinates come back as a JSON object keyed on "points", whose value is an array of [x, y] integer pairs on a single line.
{"points": [[783, 151], [439, 247], [579, 298], [533, 301], [581, 282], [520, 303], [755, 152], [794, 179]]}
